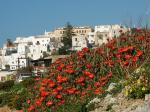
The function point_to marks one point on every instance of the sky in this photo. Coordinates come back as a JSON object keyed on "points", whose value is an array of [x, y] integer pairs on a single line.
{"points": [[33, 17]]}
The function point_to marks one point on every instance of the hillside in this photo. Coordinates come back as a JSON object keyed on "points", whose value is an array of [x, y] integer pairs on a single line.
{"points": [[118, 69]]}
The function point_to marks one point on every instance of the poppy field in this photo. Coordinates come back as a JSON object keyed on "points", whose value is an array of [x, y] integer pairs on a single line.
{"points": [[77, 79]]}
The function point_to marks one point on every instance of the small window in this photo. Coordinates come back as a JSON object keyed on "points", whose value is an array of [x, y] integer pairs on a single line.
{"points": [[41, 51], [105, 35], [75, 39]]}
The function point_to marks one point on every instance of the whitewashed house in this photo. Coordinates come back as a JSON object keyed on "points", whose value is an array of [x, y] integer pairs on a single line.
{"points": [[79, 42], [103, 33], [91, 38], [14, 57]]}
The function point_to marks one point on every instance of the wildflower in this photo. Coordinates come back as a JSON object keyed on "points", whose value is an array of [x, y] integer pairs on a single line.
{"points": [[31, 108], [49, 103], [59, 96], [97, 91], [89, 66], [44, 93], [139, 53], [28, 101], [59, 88]]}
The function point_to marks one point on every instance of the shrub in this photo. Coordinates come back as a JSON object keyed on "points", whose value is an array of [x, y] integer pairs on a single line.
{"points": [[28, 82], [6, 86], [139, 84], [74, 80]]}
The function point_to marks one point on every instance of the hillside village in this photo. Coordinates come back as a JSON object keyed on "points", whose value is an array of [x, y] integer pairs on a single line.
{"points": [[38, 51]]}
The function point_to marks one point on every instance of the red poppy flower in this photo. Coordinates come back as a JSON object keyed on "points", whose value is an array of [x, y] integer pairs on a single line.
{"points": [[71, 90], [128, 57], [31, 108], [44, 93], [89, 66], [97, 84], [85, 50], [59, 96], [49, 103], [80, 80], [59, 88], [91, 76], [54, 92], [28, 101], [69, 71], [139, 53], [134, 59], [97, 91], [51, 84], [38, 103]]}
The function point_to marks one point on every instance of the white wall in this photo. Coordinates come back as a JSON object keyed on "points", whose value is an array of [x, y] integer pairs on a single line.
{"points": [[79, 42]]}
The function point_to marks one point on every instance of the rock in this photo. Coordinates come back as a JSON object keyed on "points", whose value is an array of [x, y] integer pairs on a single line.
{"points": [[109, 99], [95, 101], [147, 97], [143, 108], [111, 87]]}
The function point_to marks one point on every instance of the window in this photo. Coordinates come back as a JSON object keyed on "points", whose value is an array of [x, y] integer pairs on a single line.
{"points": [[41, 51], [75, 39], [12, 62], [22, 61], [105, 35]]}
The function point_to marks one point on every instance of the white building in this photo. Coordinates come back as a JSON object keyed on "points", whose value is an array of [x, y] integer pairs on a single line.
{"points": [[79, 42], [91, 38], [105, 32], [32, 47]]}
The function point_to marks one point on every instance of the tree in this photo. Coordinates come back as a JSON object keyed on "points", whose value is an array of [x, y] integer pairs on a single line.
{"points": [[67, 36], [10, 43]]}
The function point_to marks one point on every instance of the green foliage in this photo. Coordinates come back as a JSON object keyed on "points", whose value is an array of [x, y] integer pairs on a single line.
{"points": [[63, 51], [28, 82], [6, 86], [139, 84], [67, 36]]}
